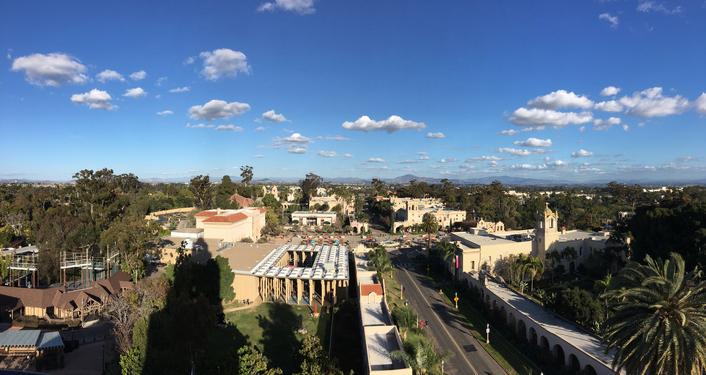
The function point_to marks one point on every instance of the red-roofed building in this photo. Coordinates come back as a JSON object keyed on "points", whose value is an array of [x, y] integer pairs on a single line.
{"points": [[232, 225]]}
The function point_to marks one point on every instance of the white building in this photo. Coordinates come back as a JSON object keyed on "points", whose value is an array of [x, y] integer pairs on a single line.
{"points": [[314, 218], [232, 225]]}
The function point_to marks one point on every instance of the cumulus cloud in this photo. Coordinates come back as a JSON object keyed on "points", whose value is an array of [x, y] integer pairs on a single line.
{"points": [[548, 164], [509, 132], [561, 99], [229, 128], [613, 21], [347, 155], [296, 138], [534, 142], [651, 103], [581, 153], [376, 160], [223, 62], [390, 125], [109, 75], [166, 112], [447, 160], [215, 109], [327, 154], [296, 149], [178, 90], [601, 124], [485, 158], [200, 126], [295, 6], [537, 117], [135, 92], [53, 69], [260, 129], [514, 151], [138, 76], [437, 135], [609, 106], [610, 91], [273, 116], [94, 99], [700, 103]]}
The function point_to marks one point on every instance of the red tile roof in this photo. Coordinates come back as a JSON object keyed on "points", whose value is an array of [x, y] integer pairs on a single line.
{"points": [[366, 289], [232, 218]]}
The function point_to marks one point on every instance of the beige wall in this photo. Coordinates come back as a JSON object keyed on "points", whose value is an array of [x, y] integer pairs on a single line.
{"points": [[472, 258], [246, 287]]}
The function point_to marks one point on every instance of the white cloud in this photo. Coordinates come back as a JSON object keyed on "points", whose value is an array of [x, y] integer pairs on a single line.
{"points": [[485, 158], [327, 154], [223, 62], [161, 80], [601, 124], [581, 153], [423, 155], [447, 160], [177, 90], [296, 149], [609, 106], [109, 75], [529, 166], [260, 129], [610, 91], [166, 112], [534, 142], [514, 151], [53, 69], [200, 126], [229, 128], [626, 127], [647, 6], [347, 155], [612, 20], [561, 99], [296, 138], [273, 116], [259, 156], [94, 99], [391, 124], [138, 76], [438, 135], [135, 92], [296, 6], [700, 103], [338, 138], [538, 116], [376, 160], [218, 109], [509, 132], [651, 103], [190, 60], [555, 163]]}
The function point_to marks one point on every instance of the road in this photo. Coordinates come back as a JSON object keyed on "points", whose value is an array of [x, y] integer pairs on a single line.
{"points": [[447, 328]]}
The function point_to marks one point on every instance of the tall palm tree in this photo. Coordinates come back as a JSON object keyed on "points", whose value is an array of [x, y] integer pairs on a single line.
{"points": [[535, 268], [429, 226], [658, 324], [554, 258], [422, 357], [405, 318], [447, 250]]}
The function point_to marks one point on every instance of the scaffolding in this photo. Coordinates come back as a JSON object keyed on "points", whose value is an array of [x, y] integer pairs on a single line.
{"points": [[91, 267], [22, 267]]}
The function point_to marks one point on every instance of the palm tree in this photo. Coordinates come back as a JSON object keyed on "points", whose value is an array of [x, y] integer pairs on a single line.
{"points": [[429, 226], [658, 324], [601, 287], [447, 250], [405, 318], [535, 268], [421, 357], [554, 258]]}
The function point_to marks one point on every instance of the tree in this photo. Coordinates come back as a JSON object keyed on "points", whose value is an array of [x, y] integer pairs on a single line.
{"points": [[658, 320], [226, 278], [314, 360], [378, 186], [421, 356], [381, 261], [309, 185], [133, 238], [578, 305], [201, 187], [246, 174], [252, 362], [429, 226], [405, 318], [535, 268]]}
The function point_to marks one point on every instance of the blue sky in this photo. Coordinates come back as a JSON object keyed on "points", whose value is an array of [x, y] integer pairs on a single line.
{"points": [[579, 90]]}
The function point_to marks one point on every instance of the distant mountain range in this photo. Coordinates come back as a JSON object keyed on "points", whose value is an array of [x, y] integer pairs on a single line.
{"points": [[405, 179]]}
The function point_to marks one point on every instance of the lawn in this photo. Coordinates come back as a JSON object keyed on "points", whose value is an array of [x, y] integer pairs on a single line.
{"points": [[276, 329]]}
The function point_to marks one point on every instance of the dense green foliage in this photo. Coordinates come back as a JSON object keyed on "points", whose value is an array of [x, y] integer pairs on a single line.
{"points": [[658, 321]]}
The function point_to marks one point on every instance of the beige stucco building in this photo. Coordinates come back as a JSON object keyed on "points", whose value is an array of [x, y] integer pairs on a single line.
{"points": [[314, 218], [232, 225], [411, 211], [333, 200]]}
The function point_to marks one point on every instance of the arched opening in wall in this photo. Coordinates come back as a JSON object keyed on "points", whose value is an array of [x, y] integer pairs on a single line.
{"points": [[589, 370], [544, 344], [545, 352], [521, 330], [574, 364], [355, 229], [532, 336], [559, 357]]}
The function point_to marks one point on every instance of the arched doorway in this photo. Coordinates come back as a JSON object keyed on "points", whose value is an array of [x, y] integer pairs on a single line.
{"points": [[544, 344], [558, 353], [521, 330], [532, 336], [589, 370], [574, 364]]}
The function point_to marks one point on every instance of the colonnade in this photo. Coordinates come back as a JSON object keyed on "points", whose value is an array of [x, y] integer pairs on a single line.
{"points": [[301, 291]]}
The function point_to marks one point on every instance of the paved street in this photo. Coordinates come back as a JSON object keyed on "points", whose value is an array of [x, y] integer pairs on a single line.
{"points": [[447, 328]]}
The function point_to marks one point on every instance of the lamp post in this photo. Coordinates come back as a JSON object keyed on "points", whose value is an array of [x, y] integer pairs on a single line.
{"points": [[487, 333]]}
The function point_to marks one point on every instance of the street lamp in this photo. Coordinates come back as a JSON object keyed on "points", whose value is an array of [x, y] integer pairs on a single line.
{"points": [[487, 333]]}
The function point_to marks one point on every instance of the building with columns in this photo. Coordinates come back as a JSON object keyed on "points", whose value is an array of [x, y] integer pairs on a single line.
{"points": [[294, 274], [314, 218]]}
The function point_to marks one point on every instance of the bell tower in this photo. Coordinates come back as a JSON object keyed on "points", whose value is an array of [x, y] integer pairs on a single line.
{"points": [[546, 232]]}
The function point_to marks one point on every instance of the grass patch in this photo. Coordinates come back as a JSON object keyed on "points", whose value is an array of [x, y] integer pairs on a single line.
{"points": [[393, 291], [274, 329]]}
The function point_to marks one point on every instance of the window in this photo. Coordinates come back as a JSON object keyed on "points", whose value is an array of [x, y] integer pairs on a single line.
{"points": [[473, 264]]}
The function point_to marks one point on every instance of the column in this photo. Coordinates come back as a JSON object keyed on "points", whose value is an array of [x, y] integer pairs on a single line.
{"points": [[335, 286], [311, 289], [299, 291]]}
